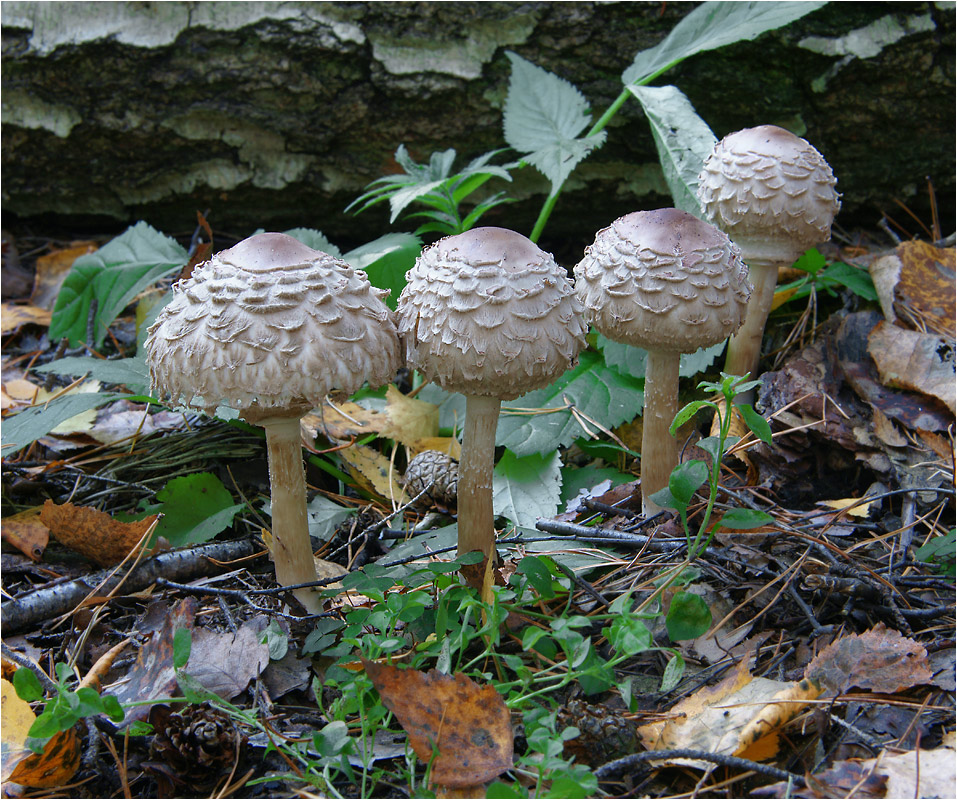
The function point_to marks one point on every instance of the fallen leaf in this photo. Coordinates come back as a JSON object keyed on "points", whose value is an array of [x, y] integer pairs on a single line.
{"points": [[59, 760], [854, 504], [80, 423], [838, 781], [409, 419], [919, 773], [374, 473], [18, 392], [927, 285], [468, 724], [922, 362], [444, 444], [13, 316], [114, 425], [881, 660], [225, 663], [93, 533], [152, 677], [52, 270], [27, 533], [342, 421]]}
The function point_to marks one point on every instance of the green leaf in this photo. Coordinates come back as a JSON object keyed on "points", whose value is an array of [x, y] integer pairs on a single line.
{"points": [[524, 489], [543, 116], [710, 26], [672, 674], [27, 685], [276, 639], [631, 360], [683, 140], [386, 260], [597, 391], [195, 507], [113, 276], [688, 617], [130, 372], [686, 479], [317, 240], [745, 518], [324, 515], [44, 726], [758, 424], [629, 635], [811, 261], [575, 481], [539, 576], [857, 280], [942, 551], [32, 423], [687, 413], [182, 646]]}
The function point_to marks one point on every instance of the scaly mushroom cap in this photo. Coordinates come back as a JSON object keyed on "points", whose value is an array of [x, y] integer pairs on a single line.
{"points": [[271, 324], [770, 191], [663, 280], [488, 313]]}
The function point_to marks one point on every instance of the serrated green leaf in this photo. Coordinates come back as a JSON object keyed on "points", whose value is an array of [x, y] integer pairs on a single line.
{"points": [[317, 240], [597, 391], [710, 26], [28, 425], [688, 617], [525, 489], [683, 140], [113, 276], [130, 372], [386, 260], [195, 508], [543, 116], [632, 360]]}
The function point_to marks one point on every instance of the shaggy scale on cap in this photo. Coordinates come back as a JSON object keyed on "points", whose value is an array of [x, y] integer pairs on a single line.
{"points": [[770, 191], [663, 280], [487, 313], [271, 324]]}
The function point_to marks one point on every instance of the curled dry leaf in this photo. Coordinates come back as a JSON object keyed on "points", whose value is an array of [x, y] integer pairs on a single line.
{"points": [[921, 362], [14, 316], [27, 533], [92, 533], [468, 724], [881, 660]]}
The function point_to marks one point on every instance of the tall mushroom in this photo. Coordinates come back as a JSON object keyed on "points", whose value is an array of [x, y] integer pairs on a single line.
{"points": [[488, 314], [270, 327], [774, 195], [669, 283]]}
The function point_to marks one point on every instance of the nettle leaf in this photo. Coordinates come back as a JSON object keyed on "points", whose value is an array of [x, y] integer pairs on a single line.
{"points": [[632, 360], [710, 26], [324, 515], [113, 276], [525, 489], [317, 240], [599, 392], [386, 261], [130, 372], [543, 117], [28, 425], [683, 140]]}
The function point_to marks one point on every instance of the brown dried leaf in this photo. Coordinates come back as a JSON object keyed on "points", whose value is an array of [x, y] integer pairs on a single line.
{"points": [[27, 533], [13, 316], [927, 284], [52, 270], [881, 660], [92, 533], [469, 724], [838, 781], [225, 663], [152, 676], [922, 362]]}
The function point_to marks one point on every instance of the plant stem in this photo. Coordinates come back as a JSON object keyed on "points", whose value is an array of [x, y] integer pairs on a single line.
{"points": [[291, 549], [476, 521], [659, 449]]}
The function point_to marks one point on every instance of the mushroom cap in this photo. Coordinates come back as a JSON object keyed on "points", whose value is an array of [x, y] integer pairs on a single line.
{"points": [[271, 325], [770, 191], [487, 313], [663, 280]]}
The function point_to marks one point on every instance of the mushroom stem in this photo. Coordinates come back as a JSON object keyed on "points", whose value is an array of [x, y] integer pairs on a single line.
{"points": [[744, 349], [291, 550], [659, 449], [476, 520]]}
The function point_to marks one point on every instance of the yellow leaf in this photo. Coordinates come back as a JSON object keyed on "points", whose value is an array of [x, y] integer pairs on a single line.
{"points": [[862, 510], [409, 419], [444, 444], [374, 473], [343, 421], [781, 296], [81, 422], [14, 316]]}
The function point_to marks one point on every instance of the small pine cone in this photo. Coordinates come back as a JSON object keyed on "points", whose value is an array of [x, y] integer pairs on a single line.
{"points": [[436, 473], [604, 734], [193, 749]]}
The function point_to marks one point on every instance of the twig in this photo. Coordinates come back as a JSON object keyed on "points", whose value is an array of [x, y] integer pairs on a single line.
{"points": [[620, 765]]}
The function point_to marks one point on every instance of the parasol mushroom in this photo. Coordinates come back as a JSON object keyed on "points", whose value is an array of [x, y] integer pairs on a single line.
{"points": [[488, 314], [270, 327], [774, 195], [669, 283]]}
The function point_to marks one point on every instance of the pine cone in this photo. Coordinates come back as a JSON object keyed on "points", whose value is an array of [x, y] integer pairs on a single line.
{"points": [[437, 474], [193, 749], [604, 734]]}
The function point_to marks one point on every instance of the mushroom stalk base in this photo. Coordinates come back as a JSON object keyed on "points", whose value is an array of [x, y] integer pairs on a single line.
{"points": [[291, 550], [476, 520], [744, 349], [659, 449]]}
